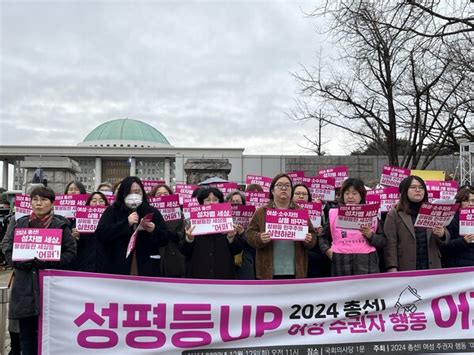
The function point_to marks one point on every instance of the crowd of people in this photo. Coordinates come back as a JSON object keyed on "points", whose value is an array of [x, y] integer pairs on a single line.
{"points": [[170, 249]]}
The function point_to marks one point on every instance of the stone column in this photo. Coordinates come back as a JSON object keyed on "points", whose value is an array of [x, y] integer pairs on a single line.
{"points": [[5, 175], [98, 171], [167, 171], [133, 166]]}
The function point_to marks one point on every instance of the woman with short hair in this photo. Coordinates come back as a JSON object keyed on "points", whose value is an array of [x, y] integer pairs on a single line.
{"points": [[24, 302]]}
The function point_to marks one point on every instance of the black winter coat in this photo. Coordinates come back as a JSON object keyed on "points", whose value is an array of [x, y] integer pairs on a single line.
{"points": [[211, 256], [24, 300], [456, 252], [113, 235]]}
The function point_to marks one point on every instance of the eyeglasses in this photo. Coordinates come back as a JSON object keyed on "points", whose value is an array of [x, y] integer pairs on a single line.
{"points": [[416, 187], [301, 194], [282, 186]]}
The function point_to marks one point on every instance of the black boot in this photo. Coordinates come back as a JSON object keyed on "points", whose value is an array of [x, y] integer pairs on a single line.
{"points": [[14, 344]]}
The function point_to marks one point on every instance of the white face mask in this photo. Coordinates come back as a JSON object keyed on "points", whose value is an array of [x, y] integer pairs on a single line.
{"points": [[133, 200]]}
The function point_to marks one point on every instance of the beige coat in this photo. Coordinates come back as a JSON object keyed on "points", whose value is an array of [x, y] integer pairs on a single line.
{"points": [[264, 252], [400, 251]]}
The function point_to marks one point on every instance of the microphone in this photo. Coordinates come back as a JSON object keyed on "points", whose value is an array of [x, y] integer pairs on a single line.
{"points": [[134, 209]]}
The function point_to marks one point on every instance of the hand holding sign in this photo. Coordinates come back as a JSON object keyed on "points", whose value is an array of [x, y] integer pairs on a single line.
{"points": [[438, 231]]}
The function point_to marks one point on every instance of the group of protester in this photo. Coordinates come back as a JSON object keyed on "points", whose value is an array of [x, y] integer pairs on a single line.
{"points": [[171, 249]]}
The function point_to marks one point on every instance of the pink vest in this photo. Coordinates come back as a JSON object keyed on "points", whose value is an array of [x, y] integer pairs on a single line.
{"points": [[348, 241]]}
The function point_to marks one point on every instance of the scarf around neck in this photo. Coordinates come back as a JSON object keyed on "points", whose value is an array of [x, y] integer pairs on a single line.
{"points": [[41, 222]]}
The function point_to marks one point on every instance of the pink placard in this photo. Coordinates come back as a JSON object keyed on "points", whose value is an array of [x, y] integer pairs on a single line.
{"points": [[242, 214], [466, 221], [257, 199], [22, 206], [387, 197], [296, 177], [40, 243], [315, 211], [226, 187], [212, 219], [187, 204], [184, 191], [263, 181], [66, 205], [168, 205], [357, 216], [393, 175], [444, 190], [340, 173], [150, 184], [286, 224], [321, 188], [87, 218], [133, 239], [435, 214]]}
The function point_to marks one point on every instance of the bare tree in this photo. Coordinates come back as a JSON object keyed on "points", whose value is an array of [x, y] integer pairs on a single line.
{"points": [[391, 83]]}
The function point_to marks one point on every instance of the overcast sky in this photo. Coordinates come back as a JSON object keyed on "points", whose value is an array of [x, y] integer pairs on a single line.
{"points": [[204, 73]]}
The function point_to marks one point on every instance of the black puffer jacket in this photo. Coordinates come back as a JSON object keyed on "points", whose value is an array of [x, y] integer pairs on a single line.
{"points": [[24, 301]]}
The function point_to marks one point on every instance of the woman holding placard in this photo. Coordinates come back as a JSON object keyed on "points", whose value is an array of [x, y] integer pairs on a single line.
{"points": [[87, 252], [210, 256], [173, 263], [409, 247], [279, 259], [319, 264], [24, 302], [352, 251], [132, 231], [459, 251]]}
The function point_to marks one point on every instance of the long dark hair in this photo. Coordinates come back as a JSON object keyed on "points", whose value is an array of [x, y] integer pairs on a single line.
{"points": [[124, 190], [404, 203], [80, 186]]}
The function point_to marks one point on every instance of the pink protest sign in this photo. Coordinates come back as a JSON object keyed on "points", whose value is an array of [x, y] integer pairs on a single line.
{"points": [[435, 214], [286, 224], [40, 243], [226, 187], [263, 181], [212, 219], [167, 205], [256, 199], [387, 197], [242, 214], [321, 188], [315, 211], [444, 190], [296, 177], [466, 221], [133, 239], [22, 206], [393, 175], [66, 205], [187, 204], [357, 216], [150, 184], [184, 191], [87, 218], [340, 173]]}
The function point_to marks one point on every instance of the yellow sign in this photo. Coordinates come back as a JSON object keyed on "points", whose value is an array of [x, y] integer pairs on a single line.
{"points": [[431, 175]]}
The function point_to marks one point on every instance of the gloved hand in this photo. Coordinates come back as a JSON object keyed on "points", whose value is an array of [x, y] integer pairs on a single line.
{"points": [[40, 264]]}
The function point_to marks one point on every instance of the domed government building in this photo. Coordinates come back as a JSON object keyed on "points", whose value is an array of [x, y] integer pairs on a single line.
{"points": [[123, 147]]}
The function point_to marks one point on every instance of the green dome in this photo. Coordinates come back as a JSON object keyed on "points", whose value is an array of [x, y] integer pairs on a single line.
{"points": [[126, 130]]}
